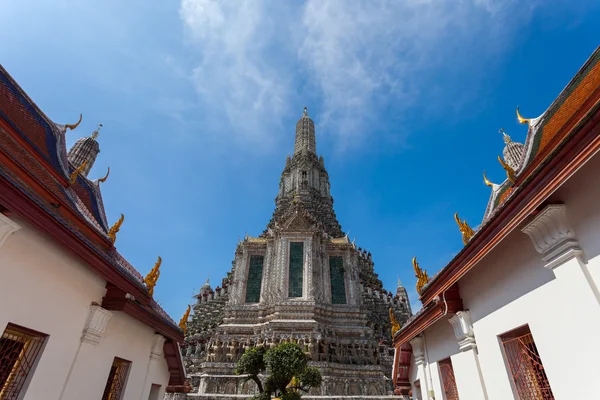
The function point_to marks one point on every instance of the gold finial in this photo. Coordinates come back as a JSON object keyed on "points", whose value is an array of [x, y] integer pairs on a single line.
{"points": [[399, 283], [505, 135], [487, 181], [395, 324], [105, 176], [73, 126], [305, 114], [76, 173], [152, 277], [510, 173], [112, 233], [421, 275], [96, 132], [521, 119], [183, 320], [465, 229]]}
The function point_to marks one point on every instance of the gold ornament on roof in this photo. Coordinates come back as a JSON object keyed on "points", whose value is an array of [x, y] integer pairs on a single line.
{"points": [[422, 277], [395, 324], [76, 173], [96, 132], [521, 119], [465, 229], [112, 233], [105, 176], [183, 320], [487, 181], [152, 277], [75, 125], [510, 173]]}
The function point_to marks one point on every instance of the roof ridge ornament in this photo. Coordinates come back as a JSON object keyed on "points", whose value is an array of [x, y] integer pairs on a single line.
{"points": [[75, 125], [152, 277], [510, 173], [183, 320], [521, 119], [421, 275], [75, 174], [395, 324], [487, 181], [112, 233], [465, 229], [105, 176]]}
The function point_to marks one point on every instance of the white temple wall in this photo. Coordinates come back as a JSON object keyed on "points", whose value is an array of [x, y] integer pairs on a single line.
{"points": [[513, 287], [125, 338], [46, 289]]}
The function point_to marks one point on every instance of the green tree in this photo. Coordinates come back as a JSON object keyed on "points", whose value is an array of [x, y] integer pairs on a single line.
{"points": [[288, 372]]}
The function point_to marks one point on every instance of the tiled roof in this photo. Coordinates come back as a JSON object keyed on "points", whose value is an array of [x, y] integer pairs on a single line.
{"points": [[545, 134], [83, 198]]}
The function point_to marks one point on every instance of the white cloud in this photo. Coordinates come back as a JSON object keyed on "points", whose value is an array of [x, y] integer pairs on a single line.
{"points": [[358, 57]]}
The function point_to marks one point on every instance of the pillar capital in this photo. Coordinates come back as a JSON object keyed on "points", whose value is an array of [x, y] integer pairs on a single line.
{"points": [[157, 347], [7, 228], [95, 324], [463, 330], [418, 350], [553, 236]]}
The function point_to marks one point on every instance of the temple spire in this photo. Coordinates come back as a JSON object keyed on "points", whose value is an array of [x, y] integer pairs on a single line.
{"points": [[85, 150], [305, 135]]}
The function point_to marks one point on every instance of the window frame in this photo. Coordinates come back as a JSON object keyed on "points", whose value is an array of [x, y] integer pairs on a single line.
{"points": [[30, 353]]}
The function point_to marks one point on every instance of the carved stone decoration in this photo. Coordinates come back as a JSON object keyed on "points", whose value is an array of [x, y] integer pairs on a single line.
{"points": [[463, 330], [7, 228], [95, 324], [418, 351], [157, 347], [553, 236]]}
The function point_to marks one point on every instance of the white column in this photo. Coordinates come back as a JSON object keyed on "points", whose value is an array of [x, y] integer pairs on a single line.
{"points": [[419, 355], [92, 333], [7, 228], [467, 371], [572, 309]]}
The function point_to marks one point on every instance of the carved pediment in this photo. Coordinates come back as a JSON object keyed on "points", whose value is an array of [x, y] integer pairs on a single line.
{"points": [[298, 222]]}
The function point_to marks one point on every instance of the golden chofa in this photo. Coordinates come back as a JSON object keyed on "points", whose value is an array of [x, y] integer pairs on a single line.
{"points": [[421, 275], [112, 233], [152, 277], [465, 229]]}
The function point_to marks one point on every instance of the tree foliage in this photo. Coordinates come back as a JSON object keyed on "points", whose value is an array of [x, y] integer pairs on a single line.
{"points": [[288, 372]]}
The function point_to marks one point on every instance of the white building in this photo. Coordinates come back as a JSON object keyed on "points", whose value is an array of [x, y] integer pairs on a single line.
{"points": [[76, 319], [516, 314]]}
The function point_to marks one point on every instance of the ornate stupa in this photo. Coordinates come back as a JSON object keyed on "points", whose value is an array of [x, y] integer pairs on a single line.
{"points": [[301, 280]]}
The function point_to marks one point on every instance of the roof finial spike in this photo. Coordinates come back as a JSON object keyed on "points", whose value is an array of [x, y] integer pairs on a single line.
{"points": [[487, 181], [521, 119], [75, 125], [399, 282], [96, 132], [506, 137], [105, 176], [305, 114]]}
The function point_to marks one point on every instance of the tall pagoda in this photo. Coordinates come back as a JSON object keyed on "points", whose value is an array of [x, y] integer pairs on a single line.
{"points": [[303, 281]]}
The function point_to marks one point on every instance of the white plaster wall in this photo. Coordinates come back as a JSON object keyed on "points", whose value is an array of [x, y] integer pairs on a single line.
{"points": [[125, 338], [46, 289], [440, 344], [511, 287]]}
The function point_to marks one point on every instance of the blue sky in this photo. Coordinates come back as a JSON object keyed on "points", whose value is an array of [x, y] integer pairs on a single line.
{"points": [[199, 100]]}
